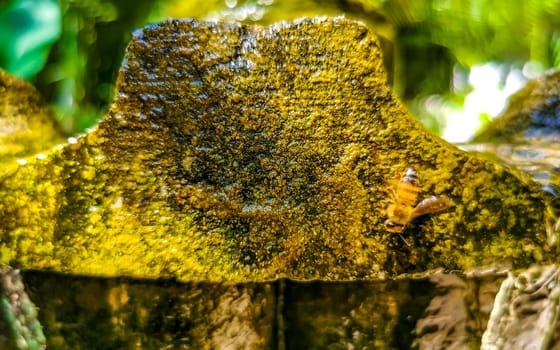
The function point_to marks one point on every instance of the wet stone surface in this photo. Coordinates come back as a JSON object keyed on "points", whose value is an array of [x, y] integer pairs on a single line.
{"points": [[239, 153], [440, 312], [26, 125], [236, 193]]}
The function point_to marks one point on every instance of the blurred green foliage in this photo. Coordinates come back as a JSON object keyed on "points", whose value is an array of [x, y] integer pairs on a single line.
{"points": [[426, 43], [79, 77], [28, 28]]}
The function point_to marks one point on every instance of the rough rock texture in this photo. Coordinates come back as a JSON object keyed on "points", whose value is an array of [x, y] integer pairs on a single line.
{"points": [[438, 312], [86, 313], [458, 311], [240, 153], [19, 326], [526, 137], [237, 154], [526, 311]]}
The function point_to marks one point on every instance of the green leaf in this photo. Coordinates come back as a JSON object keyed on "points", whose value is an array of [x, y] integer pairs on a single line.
{"points": [[28, 28]]}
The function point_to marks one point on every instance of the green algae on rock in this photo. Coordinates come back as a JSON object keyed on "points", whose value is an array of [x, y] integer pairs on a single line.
{"points": [[19, 327], [244, 153], [525, 137]]}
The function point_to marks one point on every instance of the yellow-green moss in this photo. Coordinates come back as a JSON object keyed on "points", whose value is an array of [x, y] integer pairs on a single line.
{"points": [[237, 153], [26, 125]]}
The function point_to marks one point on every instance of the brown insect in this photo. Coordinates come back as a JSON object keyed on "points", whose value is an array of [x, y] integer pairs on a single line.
{"points": [[402, 210]]}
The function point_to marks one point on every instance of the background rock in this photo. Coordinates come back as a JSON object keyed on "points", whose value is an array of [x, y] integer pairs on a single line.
{"points": [[532, 112], [19, 326], [26, 124], [525, 313]]}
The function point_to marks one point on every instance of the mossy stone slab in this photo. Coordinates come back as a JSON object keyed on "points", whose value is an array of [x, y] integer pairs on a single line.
{"points": [[243, 153]]}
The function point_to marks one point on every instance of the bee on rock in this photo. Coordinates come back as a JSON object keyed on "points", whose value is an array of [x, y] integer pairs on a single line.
{"points": [[403, 208]]}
